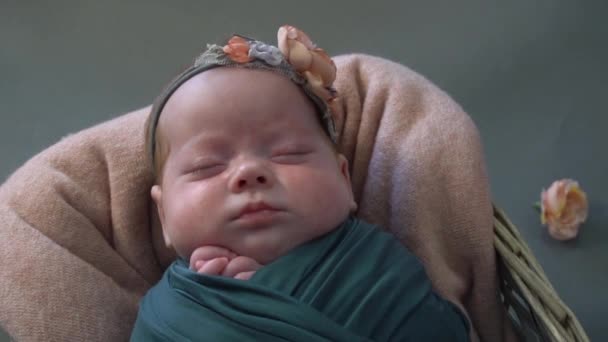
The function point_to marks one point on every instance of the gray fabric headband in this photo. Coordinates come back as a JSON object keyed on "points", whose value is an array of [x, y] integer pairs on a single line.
{"points": [[296, 58]]}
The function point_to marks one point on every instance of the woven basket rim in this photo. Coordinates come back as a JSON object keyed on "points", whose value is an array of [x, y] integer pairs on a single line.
{"points": [[550, 318]]}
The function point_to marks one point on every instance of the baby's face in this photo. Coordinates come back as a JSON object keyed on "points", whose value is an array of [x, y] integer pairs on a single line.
{"points": [[249, 167]]}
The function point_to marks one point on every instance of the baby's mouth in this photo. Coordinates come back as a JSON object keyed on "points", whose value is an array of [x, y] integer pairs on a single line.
{"points": [[256, 207], [258, 213]]}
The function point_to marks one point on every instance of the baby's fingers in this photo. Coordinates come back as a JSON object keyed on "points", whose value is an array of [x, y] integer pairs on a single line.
{"points": [[244, 275], [240, 264], [207, 253], [211, 267]]}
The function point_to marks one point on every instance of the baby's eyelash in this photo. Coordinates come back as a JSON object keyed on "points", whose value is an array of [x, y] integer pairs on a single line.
{"points": [[206, 167], [205, 170], [292, 150], [293, 156]]}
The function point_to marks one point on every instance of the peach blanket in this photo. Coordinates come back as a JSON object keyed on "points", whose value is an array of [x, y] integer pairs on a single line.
{"points": [[79, 243]]}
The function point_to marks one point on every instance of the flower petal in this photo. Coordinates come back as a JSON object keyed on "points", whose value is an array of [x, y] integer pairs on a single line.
{"points": [[282, 41], [299, 56], [324, 66]]}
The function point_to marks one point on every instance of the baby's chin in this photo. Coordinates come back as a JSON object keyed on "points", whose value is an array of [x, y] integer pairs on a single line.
{"points": [[266, 253], [267, 250]]}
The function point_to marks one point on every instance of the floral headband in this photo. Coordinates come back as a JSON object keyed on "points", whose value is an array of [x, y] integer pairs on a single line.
{"points": [[296, 57]]}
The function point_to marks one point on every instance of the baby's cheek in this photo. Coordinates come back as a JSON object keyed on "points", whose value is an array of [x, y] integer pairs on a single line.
{"points": [[192, 210], [328, 199], [184, 232]]}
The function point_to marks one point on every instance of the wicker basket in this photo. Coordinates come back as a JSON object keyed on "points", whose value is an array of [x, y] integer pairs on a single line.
{"points": [[533, 305]]}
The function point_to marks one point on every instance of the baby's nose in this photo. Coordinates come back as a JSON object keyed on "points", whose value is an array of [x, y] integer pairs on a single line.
{"points": [[251, 174], [245, 181]]}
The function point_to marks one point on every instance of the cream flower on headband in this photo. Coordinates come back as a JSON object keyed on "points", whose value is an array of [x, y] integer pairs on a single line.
{"points": [[312, 62]]}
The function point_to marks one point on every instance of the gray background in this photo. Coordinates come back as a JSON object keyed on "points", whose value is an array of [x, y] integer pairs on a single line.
{"points": [[531, 73]]}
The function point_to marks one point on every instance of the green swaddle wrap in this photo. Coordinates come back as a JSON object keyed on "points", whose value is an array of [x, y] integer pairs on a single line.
{"points": [[356, 283]]}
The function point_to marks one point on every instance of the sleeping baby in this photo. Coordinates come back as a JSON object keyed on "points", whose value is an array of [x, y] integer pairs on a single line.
{"points": [[256, 199]]}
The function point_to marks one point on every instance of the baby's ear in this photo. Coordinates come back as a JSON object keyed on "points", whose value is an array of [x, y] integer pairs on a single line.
{"points": [[157, 195], [344, 170]]}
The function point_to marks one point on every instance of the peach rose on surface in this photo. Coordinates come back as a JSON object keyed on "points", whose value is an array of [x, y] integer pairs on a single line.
{"points": [[564, 208], [309, 60], [238, 49]]}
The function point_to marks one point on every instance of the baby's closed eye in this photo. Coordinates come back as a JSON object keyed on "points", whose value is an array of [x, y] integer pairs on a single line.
{"points": [[290, 155], [206, 169]]}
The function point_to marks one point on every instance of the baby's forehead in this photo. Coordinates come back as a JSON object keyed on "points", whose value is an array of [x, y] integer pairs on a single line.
{"points": [[230, 86], [233, 80], [208, 98], [221, 89]]}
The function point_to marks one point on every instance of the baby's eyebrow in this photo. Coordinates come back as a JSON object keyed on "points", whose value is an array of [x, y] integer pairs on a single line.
{"points": [[208, 146], [211, 140]]}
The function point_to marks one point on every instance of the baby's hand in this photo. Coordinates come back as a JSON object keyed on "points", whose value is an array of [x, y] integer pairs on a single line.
{"points": [[214, 260]]}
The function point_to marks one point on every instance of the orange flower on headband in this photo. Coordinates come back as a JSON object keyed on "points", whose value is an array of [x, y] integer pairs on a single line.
{"points": [[238, 49], [312, 62]]}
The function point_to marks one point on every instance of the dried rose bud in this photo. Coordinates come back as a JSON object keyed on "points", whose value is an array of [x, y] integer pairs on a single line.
{"points": [[563, 209], [238, 49]]}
